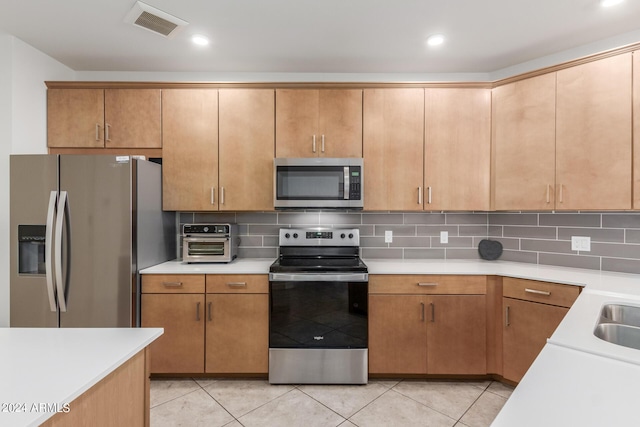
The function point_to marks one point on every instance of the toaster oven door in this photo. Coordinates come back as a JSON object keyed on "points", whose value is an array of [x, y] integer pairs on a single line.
{"points": [[206, 249]]}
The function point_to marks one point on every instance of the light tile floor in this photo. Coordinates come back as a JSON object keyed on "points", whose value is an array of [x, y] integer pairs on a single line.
{"points": [[235, 403]]}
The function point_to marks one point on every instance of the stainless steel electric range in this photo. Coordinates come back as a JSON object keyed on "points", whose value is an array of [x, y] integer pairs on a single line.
{"points": [[318, 291]]}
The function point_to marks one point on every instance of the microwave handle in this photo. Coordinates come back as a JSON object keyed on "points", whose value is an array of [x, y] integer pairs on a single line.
{"points": [[346, 183]]}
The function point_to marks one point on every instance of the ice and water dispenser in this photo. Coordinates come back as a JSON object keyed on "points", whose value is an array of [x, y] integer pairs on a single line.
{"points": [[31, 249]]}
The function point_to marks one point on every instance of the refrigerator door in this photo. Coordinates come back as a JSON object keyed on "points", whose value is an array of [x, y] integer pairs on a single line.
{"points": [[34, 185], [97, 241]]}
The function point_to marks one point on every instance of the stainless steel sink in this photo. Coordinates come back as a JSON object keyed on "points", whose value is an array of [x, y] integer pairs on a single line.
{"points": [[623, 314], [619, 324]]}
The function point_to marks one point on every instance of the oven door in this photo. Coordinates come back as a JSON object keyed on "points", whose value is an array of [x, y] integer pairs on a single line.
{"points": [[206, 249], [318, 328]]}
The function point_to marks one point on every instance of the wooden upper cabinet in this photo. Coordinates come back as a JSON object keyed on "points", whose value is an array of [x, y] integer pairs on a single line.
{"points": [[75, 118], [190, 149], [457, 149], [593, 138], [318, 123], [246, 149], [523, 134], [132, 118], [636, 130], [393, 149], [104, 118]]}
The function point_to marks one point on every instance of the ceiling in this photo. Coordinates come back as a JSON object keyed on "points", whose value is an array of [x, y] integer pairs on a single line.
{"points": [[328, 36]]}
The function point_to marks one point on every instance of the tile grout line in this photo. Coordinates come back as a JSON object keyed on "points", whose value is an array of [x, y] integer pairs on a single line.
{"points": [[215, 400]]}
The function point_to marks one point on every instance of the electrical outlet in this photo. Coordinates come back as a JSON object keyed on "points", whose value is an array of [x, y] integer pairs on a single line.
{"points": [[581, 243], [388, 236], [444, 237]]}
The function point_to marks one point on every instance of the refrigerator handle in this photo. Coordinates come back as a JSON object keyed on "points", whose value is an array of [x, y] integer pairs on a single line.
{"points": [[48, 245], [63, 211]]}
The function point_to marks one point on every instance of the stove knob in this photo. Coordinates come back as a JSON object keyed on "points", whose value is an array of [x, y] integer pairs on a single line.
{"points": [[295, 235], [342, 236], [351, 235], [287, 235]]}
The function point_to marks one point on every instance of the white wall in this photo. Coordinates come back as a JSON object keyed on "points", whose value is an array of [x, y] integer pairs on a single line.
{"points": [[23, 126]]}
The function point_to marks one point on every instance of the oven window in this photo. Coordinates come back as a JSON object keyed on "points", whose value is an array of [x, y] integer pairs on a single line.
{"points": [[309, 183], [318, 315], [206, 248]]}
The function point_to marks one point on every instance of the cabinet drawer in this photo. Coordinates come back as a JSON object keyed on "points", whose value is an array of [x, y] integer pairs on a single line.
{"points": [[427, 284], [237, 283], [544, 292], [173, 283]]}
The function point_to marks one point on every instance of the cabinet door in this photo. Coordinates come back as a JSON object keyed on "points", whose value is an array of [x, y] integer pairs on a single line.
{"points": [[526, 327], [181, 348], [246, 149], [593, 139], [456, 335], [524, 144], [397, 334], [340, 123], [190, 150], [457, 149], [132, 118], [237, 333], [393, 130], [75, 118], [297, 113]]}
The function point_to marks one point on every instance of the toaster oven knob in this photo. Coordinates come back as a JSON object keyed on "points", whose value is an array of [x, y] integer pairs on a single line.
{"points": [[287, 235]]}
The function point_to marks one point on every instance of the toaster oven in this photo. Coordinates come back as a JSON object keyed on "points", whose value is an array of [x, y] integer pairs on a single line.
{"points": [[209, 242]]}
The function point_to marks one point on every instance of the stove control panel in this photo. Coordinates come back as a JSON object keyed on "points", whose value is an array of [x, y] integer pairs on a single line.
{"points": [[319, 237]]}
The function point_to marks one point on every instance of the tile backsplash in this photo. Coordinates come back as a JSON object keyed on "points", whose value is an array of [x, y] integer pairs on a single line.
{"points": [[542, 238]]}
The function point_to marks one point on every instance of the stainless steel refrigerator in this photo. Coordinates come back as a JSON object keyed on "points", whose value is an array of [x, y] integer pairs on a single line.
{"points": [[81, 229]]}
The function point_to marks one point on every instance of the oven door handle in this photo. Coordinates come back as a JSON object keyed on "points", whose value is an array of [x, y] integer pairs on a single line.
{"points": [[319, 277]]}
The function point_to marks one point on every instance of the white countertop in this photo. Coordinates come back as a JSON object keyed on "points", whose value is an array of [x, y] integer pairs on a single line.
{"points": [[237, 266], [56, 365]]}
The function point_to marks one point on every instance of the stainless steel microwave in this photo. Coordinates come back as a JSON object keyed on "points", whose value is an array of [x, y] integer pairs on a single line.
{"points": [[332, 183]]}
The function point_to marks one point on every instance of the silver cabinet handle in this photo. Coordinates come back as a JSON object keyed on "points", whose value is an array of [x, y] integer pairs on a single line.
{"points": [[48, 247], [537, 292], [106, 132], [313, 144], [427, 284], [213, 195], [429, 195], [561, 197], [172, 284], [209, 306], [433, 312], [422, 312], [197, 311], [63, 210], [237, 284], [97, 132], [506, 316], [419, 195], [222, 195], [322, 149], [548, 193]]}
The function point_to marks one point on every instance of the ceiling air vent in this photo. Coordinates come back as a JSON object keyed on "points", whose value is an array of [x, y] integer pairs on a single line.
{"points": [[144, 16]]}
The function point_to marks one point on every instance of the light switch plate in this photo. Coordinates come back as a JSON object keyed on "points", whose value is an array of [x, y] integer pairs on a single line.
{"points": [[581, 243], [388, 236], [444, 237]]}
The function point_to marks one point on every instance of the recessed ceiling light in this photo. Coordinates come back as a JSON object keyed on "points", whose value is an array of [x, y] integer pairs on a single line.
{"points": [[609, 3], [200, 40], [435, 40]]}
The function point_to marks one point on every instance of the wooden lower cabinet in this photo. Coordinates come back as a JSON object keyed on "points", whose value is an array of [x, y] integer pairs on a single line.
{"points": [[181, 348], [220, 328], [237, 338], [427, 334], [526, 329]]}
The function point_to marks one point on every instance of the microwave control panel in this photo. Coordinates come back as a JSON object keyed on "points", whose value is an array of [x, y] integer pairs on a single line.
{"points": [[354, 183]]}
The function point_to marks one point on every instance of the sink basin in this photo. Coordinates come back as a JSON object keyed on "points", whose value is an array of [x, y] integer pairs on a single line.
{"points": [[619, 324], [624, 335], [623, 314]]}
